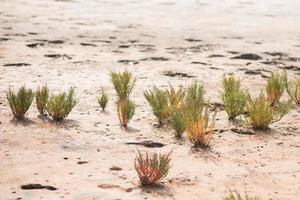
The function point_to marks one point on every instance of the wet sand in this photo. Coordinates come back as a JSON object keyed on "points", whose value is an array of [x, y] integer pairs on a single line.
{"points": [[76, 42]]}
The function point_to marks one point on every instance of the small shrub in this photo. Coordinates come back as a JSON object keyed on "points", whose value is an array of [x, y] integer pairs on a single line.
{"points": [[126, 110], [235, 195], [194, 100], [158, 100], [59, 106], [293, 89], [261, 113], [19, 103], [41, 98], [152, 168], [275, 87], [178, 122], [176, 98], [233, 97], [123, 83], [103, 99], [200, 129]]}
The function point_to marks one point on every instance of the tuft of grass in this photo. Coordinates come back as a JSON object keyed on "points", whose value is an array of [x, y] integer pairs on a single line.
{"points": [[178, 122], [293, 89], [123, 83], [19, 102], [103, 99], [275, 87], [159, 102], [41, 98], [235, 195], [125, 110], [233, 97], [59, 106], [200, 128], [176, 97], [152, 168], [194, 101], [261, 113]]}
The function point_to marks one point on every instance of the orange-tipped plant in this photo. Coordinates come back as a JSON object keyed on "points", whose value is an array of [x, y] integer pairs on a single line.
{"points": [[20, 102], [41, 98], [125, 110], [152, 168], [176, 97], [200, 128], [275, 87]]}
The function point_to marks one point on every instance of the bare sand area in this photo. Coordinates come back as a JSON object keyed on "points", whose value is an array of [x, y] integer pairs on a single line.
{"points": [[77, 42]]}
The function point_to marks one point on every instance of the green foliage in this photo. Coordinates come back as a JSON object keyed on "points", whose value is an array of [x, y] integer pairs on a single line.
{"points": [[275, 87], [125, 110], [123, 83], [178, 122], [261, 113], [233, 97], [59, 106], [194, 101], [19, 103], [159, 102], [176, 97], [200, 127], [152, 168], [293, 89], [103, 99], [41, 98], [235, 195]]}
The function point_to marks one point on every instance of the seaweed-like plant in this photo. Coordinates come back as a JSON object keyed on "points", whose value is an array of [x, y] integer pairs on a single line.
{"points": [[293, 89], [152, 168], [200, 128], [20, 102], [158, 100], [194, 100], [123, 83], [103, 99], [261, 113], [178, 122], [59, 106], [235, 195], [125, 110], [275, 87], [176, 97], [233, 97], [41, 98]]}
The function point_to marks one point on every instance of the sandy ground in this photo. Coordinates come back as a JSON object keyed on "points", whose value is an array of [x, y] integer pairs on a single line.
{"points": [[76, 42]]}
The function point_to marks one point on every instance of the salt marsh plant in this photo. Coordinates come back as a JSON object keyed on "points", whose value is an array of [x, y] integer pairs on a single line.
{"points": [[19, 102], [200, 128], [275, 87], [261, 113], [233, 97], [195, 97], [103, 99], [178, 122], [293, 89], [159, 102], [59, 106], [41, 98], [123, 83], [125, 110], [235, 195], [152, 168], [176, 97]]}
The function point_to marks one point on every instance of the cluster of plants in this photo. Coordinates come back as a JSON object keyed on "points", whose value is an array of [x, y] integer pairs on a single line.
{"points": [[184, 110], [57, 106], [259, 112], [235, 195]]}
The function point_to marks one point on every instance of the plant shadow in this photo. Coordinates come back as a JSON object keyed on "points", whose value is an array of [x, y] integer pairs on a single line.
{"points": [[23, 122], [65, 123], [206, 153], [157, 190]]}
